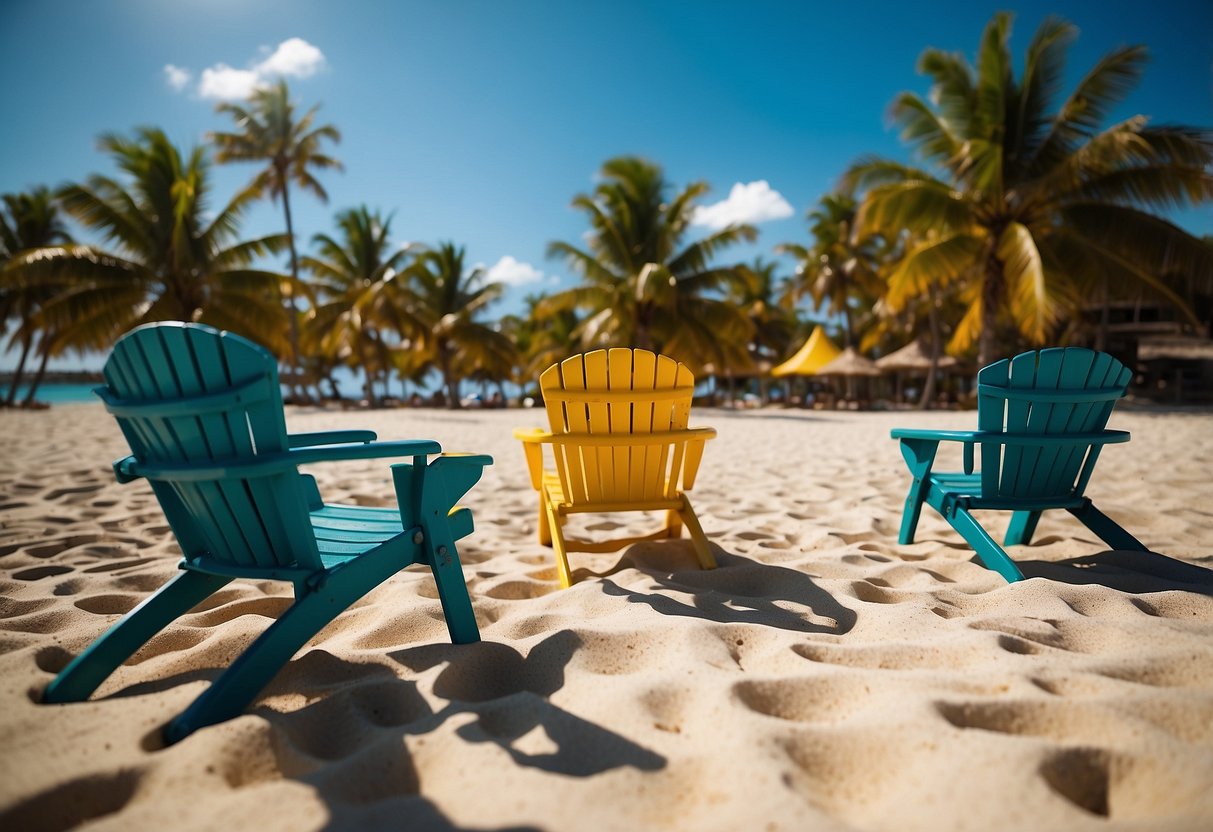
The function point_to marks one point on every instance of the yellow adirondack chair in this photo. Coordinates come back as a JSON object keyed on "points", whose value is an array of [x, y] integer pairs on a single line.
{"points": [[620, 441]]}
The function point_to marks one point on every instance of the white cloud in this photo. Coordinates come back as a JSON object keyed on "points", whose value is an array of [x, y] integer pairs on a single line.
{"points": [[293, 58], [747, 203], [177, 77], [509, 271], [222, 82]]}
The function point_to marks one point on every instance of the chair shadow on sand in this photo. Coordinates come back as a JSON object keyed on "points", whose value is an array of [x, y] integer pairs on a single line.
{"points": [[348, 745], [369, 710], [1126, 571], [740, 591]]}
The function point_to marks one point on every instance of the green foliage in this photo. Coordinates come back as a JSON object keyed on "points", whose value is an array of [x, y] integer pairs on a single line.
{"points": [[167, 259], [1032, 204], [28, 222], [292, 149], [357, 293], [643, 286], [839, 271], [445, 299]]}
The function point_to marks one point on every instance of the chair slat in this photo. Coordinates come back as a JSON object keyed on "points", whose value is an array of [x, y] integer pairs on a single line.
{"points": [[574, 418], [619, 369], [1096, 370], [599, 462], [645, 479], [991, 417], [663, 420], [181, 441], [1024, 371], [1073, 372], [207, 434]]}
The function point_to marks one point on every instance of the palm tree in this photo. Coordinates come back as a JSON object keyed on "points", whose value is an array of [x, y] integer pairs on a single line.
{"points": [[269, 132], [445, 300], [30, 221], [840, 270], [541, 338], [756, 294], [642, 287], [360, 292], [1026, 196], [170, 260]]}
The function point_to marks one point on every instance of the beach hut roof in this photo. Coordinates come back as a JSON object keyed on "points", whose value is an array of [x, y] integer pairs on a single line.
{"points": [[850, 363], [913, 356], [817, 352]]}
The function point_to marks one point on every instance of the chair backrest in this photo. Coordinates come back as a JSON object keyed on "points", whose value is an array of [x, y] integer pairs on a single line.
{"points": [[1051, 393], [620, 391], [189, 394]]}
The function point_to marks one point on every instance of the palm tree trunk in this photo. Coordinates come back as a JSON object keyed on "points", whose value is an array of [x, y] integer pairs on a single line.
{"points": [[45, 348], [928, 389], [1105, 315], [291, 310], [848, 335], [11, 398], [991, 301], [452, 383]]}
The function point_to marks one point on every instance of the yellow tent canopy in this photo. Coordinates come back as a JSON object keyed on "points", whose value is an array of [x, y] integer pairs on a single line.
{"points": [[817, 352]]}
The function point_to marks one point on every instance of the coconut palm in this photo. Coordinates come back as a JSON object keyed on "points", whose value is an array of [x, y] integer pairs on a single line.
{"points": [[168, 258], [840, 270], [541, 338], [756, 294], [642, 286], [292, 147], [1025, 195], [29, 221], [445, 301], [360, 293]]}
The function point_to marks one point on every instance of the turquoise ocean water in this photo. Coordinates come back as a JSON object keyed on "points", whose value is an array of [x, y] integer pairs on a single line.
{"points": [[57, 393]]}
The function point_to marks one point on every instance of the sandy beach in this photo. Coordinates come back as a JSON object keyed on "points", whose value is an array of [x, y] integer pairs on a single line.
{"points": [[823, 677]]}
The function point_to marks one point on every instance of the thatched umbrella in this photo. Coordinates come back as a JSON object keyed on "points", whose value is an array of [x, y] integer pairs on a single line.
{"points": [[913, 357], [848, 365]]}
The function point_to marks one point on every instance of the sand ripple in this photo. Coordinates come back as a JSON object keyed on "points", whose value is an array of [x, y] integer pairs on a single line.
{"points": [[824, 677]]}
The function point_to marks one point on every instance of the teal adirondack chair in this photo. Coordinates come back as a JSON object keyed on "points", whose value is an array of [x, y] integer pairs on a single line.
{"points": [[1040, 428], [202, 413]]}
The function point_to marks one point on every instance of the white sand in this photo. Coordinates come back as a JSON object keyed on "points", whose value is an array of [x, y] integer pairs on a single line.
{"points": [[823, 678]]}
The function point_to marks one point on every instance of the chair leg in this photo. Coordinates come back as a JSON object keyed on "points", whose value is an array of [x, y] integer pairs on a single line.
{"points": [[545, 530], [88, 670], [673, 524], [990, 553], [230, 694], [1023, 526], [702, 550], [558, 546], [1109, 530], [912, 511], [452, 586]]}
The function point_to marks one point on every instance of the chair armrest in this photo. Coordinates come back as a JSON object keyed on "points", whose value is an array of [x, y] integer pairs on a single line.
{"points": [[265, 465], [919, 446], [657, 437], [532, 435], [1105, 437], [537, 435], [330, 437], [532, 439], [937, 435]]}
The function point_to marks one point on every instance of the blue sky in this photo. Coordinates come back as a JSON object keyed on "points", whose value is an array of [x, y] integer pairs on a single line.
{"points": [[479, 121]]}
